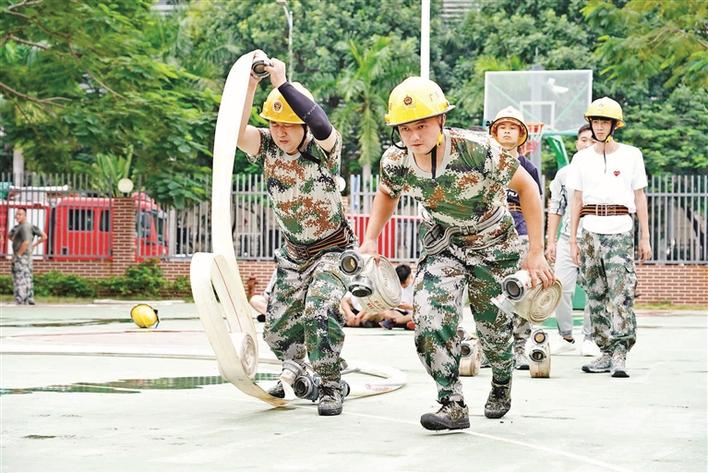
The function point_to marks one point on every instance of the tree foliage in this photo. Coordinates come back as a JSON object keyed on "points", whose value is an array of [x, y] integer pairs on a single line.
{"points": [[83, 79]]}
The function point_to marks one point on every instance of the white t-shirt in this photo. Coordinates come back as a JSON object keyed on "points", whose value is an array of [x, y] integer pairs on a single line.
{"points": [[561, 201], [611, 183], [407, 294]]}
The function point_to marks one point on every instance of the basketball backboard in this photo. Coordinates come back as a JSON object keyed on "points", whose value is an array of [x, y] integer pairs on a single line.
{"points": [[556, 98]]}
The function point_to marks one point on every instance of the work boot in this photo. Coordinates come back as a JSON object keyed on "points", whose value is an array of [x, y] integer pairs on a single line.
{"points": [[617, 364], [599, 365], [330, 401], [499, 400], [277, 390], [521, 361], [453, 415]]}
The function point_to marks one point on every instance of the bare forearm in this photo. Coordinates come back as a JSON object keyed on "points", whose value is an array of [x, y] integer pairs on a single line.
{"points": [[533, 215], [552, 230], [575, 214], [382, 210], [23, 248], [640, 201]]}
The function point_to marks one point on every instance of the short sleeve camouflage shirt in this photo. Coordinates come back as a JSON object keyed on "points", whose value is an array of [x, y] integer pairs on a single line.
{"points": [[303, 188], [470, 184]]}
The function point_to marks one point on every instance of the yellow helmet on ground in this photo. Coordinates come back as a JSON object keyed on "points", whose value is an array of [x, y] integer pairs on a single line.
{"points": [[415, 99], [605, 108], [144, 316], [510, 114], [276, 109]]}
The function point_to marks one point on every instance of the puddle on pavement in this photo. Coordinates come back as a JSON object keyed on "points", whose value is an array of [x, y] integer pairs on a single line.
{"points": [[133, 386]]}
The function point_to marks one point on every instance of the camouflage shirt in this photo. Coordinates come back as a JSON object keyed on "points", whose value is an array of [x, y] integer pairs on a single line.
{"points": [[470, 184], [303, 189]]}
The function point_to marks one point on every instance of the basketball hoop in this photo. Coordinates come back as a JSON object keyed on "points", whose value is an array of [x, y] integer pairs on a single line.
{"points": [[532, 147]]}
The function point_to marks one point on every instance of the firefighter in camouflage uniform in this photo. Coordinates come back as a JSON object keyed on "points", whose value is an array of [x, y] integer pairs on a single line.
{"points": [[300, 154], [460, 178]]}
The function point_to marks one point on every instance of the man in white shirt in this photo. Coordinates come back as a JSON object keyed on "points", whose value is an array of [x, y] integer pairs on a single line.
{"points": [[609, 181], [558, 251]]}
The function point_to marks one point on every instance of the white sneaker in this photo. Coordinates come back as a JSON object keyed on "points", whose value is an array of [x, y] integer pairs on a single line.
{"points": [[562, 346], [589, 348]]}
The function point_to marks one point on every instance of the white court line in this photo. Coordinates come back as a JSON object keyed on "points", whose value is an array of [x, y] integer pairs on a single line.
{"points": [[553, 451]]}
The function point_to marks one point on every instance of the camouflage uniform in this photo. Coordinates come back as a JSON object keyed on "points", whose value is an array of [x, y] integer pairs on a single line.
{"points": [[469, 188], [303, 310], [609, 280], [23, 289]]}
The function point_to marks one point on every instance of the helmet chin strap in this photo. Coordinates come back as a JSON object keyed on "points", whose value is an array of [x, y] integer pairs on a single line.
{"points": [[434, 151], [604, 142]]}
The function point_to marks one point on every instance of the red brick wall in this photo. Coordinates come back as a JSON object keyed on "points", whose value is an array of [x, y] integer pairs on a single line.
{"points": [[675, 283]]}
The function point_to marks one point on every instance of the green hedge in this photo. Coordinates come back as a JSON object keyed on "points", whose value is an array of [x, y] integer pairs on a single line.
{"points": [[140, 280]]}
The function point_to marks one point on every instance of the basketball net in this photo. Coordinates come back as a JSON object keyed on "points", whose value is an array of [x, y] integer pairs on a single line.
{"points": [[532, 147]]}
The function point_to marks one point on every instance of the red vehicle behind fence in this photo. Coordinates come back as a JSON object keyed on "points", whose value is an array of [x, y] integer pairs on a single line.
{"points": [[81, 228]]}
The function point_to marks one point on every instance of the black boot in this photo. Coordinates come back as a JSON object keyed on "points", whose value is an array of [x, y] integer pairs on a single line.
{"points": [[499, 400], [330, 401], [453, 415], [277, 390]]}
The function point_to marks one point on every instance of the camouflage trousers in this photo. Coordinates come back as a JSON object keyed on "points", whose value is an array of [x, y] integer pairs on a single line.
{"points": [[439, 284], [303, 316], [522, 327], [22, 278], [609, 280]]}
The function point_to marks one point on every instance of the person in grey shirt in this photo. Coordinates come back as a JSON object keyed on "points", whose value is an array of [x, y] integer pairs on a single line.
{"points": [[22, 236]]}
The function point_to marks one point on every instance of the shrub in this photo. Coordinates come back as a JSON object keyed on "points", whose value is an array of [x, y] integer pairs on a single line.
{"points": [[5, 284], [55, 283]]}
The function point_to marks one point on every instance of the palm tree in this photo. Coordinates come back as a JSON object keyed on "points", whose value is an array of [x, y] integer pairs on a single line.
{"points": [[365, 85]]}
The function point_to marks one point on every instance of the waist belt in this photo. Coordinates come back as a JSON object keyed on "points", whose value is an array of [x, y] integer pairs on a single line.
{"points": [[602, 210], [341, 238], [437, 237], [514, 207]]}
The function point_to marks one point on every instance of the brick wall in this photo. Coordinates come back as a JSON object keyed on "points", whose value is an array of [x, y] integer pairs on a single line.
{"points": [[675, 283]]}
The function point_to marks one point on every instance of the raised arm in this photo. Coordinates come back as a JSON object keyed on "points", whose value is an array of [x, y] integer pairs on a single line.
{"points": [[249, 139], [304, 107]]}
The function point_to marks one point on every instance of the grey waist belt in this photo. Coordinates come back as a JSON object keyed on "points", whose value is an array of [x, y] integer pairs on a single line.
{"points": [[438, 237]]}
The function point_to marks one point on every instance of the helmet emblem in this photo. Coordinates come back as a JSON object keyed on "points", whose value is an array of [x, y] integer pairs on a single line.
{"points": [[407, 100], [277, 106], [616, 173]]}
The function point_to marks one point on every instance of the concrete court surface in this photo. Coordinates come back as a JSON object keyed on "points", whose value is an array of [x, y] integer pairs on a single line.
{"points": [[87, 409]]}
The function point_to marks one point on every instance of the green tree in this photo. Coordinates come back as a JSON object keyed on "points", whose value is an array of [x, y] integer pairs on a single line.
{"points": [[364, 85], [79, 79], [652, 39]]}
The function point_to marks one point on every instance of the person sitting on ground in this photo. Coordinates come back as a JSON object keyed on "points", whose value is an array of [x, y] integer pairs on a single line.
{"points": [[259, 302], [402, 316]]}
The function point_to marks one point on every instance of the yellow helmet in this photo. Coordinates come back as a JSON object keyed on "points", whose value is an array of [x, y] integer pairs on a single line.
{"points": [[510, 114], [276, 109], [144, 316], [605, 108], [415, 99]]}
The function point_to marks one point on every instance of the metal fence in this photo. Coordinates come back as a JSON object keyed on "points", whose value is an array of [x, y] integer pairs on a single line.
{"points": [[78, 219]]}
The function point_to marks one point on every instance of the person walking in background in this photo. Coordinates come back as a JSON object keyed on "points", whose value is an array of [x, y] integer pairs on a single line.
{"points": [[511, 132], [609, 179], [558, 252]]}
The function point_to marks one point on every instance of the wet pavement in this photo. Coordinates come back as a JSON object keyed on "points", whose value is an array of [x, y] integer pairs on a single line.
{"points": [[83, 389]]}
